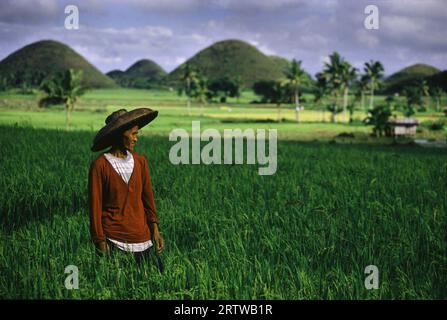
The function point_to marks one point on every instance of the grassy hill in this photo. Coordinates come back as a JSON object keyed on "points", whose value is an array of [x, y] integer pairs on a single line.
{"points": [[281, 62], [142, 74], [438, 80], [37, 60], [408, 76], [233, 58]]}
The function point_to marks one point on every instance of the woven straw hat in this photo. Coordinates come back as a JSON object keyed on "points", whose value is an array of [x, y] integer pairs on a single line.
{"points": [[119, 121]]}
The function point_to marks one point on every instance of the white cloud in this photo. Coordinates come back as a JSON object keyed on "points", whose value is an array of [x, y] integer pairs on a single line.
{"points": [[198, 38], [254, 43], [212, 24], [145, 31], [27, 12], [191, 5], [257, 4], [266, 50], [94, 57], [148, 5], [179, 60], [312, 41], [367, 38], [417, 8], [418, 33], [398, 26], [324, 60]]}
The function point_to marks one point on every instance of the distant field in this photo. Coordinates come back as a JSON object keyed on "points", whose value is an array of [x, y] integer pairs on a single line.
{"points": [[307, 232], [93, 108]]}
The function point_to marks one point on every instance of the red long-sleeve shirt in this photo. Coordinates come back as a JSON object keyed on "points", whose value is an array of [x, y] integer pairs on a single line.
{"points": [[118, 210]]}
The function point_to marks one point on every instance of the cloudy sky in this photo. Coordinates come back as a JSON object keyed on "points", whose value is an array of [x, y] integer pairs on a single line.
{"points": [[114, 34]]}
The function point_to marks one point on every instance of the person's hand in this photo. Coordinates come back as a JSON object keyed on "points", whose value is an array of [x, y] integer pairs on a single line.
{"points": [[103, 248], [157, 238], [160, 242]]}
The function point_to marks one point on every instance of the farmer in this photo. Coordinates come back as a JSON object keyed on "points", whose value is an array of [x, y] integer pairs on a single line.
{"points": [[121, 201]]}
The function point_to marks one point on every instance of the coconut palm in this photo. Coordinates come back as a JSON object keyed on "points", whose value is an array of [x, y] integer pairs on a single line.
{"points": [[321, 91], [391, 102], [3, 84], [374, 72], [238, 85], [436, 94], [200, 91], [332, 73], [348, 74], [351, 109], [64, 87], [425, 91], [334, 109], [279, 96], [363, 85], [414, 98], [189, 77], [295, 74]]}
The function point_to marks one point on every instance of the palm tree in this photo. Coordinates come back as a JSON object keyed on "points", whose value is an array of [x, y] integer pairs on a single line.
{"points": [[238, 83], [334, 109], [3, 84], [332, 73], [200, 91], [295, 74], [351, 109], [348, 74], [425, 91], [189, 77], [391, 102], [321, 90], [374, 72], [362, 86], [414, 98], [64, 87], [436, 94], [279, 96]]}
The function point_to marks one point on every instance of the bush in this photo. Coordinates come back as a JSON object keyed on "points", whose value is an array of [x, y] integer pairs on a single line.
{"points": [[436, 126], [378, 117], [346, 135], [433, 125]]}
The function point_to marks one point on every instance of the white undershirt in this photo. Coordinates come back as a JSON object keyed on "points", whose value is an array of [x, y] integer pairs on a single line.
{"points": [[124, 167]]}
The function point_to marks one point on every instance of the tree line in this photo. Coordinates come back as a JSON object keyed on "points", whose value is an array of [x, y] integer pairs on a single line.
{"points": [[331, 89]]}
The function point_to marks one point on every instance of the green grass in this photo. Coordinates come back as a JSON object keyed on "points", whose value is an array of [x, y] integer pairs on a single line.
{"points": [[307, 232]]}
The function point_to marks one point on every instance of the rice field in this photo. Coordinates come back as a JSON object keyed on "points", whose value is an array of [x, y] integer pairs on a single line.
{"points": [[307, 232], [96, 105]]}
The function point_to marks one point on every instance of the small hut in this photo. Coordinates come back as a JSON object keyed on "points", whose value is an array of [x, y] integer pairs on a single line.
{"points": [[402, 127]]}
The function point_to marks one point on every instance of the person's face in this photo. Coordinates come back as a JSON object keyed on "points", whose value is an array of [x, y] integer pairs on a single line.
{"points": [[130, 138]]}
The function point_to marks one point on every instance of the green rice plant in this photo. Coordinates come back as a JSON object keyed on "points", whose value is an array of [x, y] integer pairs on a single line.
{"points": [[306, 232]]}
